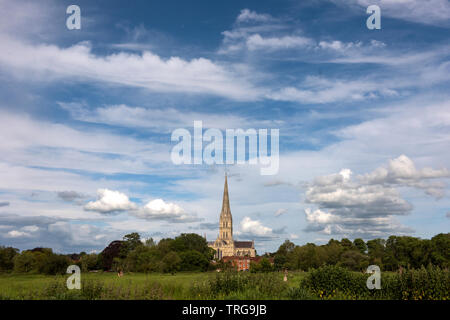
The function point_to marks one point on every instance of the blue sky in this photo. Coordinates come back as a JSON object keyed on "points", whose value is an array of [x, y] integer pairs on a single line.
{"points": [[86, 118]]}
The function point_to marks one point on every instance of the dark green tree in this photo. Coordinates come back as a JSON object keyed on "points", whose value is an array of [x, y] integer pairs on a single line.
{"points": [[171, 262], [7, 255], [360, 245]]}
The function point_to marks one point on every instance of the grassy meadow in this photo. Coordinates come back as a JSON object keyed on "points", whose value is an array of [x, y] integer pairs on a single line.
{"points": [[107, 285], [326, 283]]}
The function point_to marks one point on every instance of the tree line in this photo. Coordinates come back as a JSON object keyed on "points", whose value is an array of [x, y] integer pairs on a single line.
{"points": [[390, 255], [190, 252], [187, 252]]}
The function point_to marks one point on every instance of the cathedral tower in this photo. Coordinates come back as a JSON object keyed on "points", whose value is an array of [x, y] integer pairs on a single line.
{"points": [[224, 245]]}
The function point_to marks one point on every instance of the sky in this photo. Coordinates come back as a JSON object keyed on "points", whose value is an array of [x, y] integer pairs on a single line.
{"points": [[86, 118]]}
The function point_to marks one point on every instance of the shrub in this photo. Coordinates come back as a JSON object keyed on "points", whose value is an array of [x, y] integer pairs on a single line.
{"points": [[239, 285], [327, 281], [331, 282]]}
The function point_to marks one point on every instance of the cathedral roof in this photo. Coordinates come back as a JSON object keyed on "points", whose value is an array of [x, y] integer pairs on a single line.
{"points": [[243, 244]]}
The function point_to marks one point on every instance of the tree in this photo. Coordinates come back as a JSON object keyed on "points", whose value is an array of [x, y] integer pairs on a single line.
{"points": [[283, 256], [7, 255], [150, 242], [346, 244], [55, 264], [354, 260], [89, 262], [375, 250], [130, 242], [263, 265], [440, 250], [286, 248], [171, 262], [24, 262], [192, 260], [190, 241], [360, 245], [112, 251]]}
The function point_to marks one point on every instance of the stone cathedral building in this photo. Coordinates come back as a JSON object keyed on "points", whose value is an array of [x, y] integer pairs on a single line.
{"points": [[224, 245]]}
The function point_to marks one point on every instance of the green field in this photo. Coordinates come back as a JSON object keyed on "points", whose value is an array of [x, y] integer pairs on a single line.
{"points": [[131, 286], [327, 282]]}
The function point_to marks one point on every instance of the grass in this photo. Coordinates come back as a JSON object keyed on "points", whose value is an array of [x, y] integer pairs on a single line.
{"points": [[130, 286], [218, 286]]}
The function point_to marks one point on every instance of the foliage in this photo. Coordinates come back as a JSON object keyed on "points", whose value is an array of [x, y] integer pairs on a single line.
{"points": [[263, 265], [90, 262], [7, 255], [241, 285], [40, 261], [329, 282], [390, 255], [171, 262], [333, 282]]}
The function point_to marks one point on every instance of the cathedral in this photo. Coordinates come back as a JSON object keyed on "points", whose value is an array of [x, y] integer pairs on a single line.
{"points": [[224, 245]]}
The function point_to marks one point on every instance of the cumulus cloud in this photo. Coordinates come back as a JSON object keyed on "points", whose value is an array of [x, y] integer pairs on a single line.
{"points": [[402, 171], [17, 234], [158, 209], [4, 203], [365, 206], [254, 229], [26, 232], [110, 201]]}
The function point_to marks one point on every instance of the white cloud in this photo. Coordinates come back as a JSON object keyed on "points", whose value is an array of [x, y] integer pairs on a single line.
{"points": [[158, 120], [318, 216], [322, 90], [257, 42], [17, 234], [158, 209], [402, 171], [365, 206], [146, 70], [247, 15], [341, 46], [254, 228], [110, 201]]}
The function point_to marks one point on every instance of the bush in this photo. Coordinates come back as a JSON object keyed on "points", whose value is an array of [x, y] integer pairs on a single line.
{"points": [[238, 285], [327, 281], [331, 282]]}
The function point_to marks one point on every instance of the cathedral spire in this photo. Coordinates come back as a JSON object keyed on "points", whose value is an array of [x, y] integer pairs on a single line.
{"points": [[226, 200]]}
